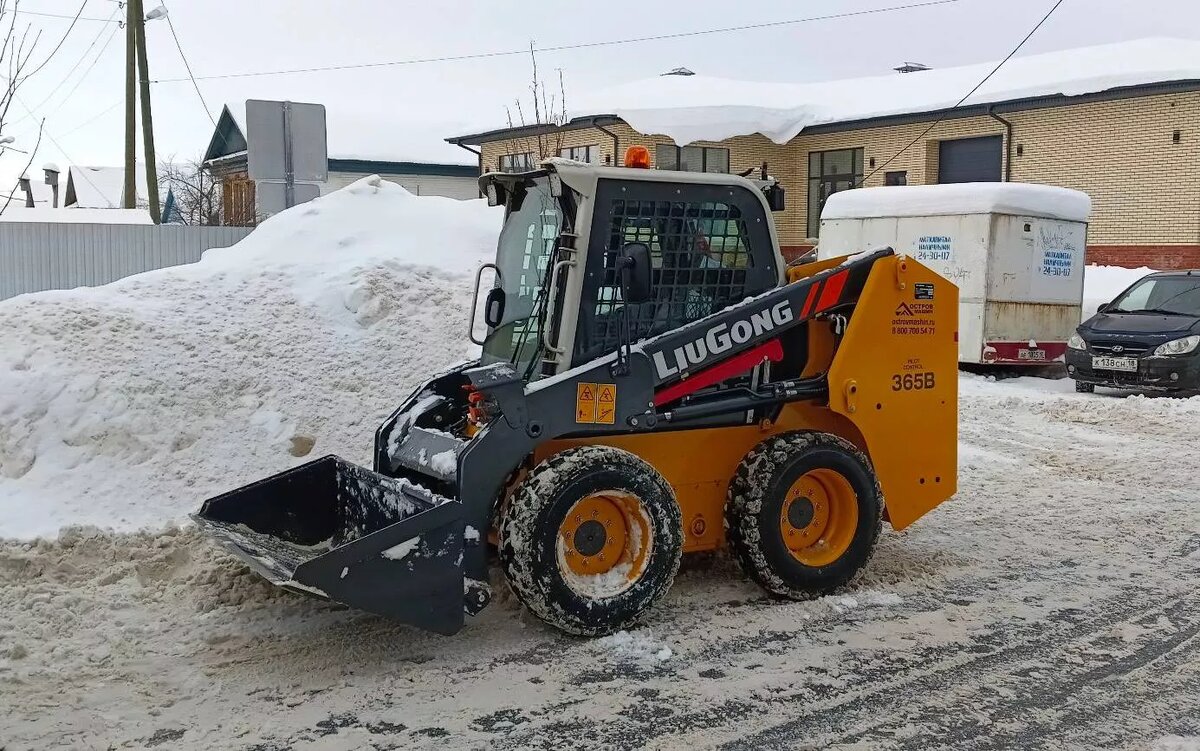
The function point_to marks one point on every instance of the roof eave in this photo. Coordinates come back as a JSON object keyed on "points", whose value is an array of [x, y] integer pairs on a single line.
{"points": [[523, 131], [1006, 105]]}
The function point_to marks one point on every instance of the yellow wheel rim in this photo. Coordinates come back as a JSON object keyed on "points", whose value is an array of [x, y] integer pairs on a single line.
{"points": [[819, 517], [604, 543]]}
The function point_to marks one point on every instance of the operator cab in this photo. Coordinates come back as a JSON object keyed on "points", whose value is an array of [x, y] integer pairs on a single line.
{"points": [[592, 257]]}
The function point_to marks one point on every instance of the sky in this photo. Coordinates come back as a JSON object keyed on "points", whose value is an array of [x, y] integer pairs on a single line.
{"points": [[80, 91]]}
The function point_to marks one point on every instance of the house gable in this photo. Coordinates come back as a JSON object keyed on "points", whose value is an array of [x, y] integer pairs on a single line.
{"points": [[228, 138]]}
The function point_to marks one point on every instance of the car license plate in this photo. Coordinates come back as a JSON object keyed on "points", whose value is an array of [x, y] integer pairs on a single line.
{"points": [[1031, 354], [1124, 364]]}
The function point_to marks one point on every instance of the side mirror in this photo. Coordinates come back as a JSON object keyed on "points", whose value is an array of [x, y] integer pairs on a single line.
{"points": [[635, 273], [493, 308], [776, 199], [1103, 307]]}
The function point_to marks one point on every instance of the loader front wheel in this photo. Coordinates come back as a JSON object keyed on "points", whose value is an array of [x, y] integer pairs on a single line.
{"points": [[803, 513], [591, 539]]}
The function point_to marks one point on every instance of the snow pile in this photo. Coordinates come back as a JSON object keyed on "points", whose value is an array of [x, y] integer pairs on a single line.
{"points": [[1101, 284], [695, 108], [1020, 199], [126, 405], [1176, 743], [639, 645]]}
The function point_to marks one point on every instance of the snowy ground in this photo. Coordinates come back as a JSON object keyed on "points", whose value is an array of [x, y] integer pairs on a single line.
{"points": [[1051, 604]]}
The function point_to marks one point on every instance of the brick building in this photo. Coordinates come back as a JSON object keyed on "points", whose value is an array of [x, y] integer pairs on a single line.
{"points": [[1119, 122]]}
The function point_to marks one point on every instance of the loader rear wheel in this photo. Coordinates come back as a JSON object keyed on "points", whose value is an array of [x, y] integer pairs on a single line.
{"points": [[803, 513], [591, 539]]}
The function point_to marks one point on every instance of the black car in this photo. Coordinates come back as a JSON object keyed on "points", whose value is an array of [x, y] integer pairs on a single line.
{"points": [[1146, 339]]}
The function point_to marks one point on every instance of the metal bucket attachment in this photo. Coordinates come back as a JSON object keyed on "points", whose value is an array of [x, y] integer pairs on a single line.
{"points": [[336, 530]]}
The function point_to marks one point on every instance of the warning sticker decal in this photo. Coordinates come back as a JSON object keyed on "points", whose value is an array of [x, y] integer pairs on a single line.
{"points": [[585, 403], [596, 403], [606, 406]]}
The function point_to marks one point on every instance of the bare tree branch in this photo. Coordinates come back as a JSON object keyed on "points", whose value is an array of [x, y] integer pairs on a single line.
{"points": [[16, 51], [197, 191], [58, 46], [548, 108]]}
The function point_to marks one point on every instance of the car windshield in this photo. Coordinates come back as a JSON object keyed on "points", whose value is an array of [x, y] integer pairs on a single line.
{"points": [[1169, 295], [531, 228]]}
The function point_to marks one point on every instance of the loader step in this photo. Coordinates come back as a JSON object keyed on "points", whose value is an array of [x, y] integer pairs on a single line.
{"points": [[428, 451]]}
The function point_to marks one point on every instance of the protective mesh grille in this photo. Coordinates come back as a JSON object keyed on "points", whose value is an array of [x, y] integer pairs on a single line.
{"points": [[700, 254]]}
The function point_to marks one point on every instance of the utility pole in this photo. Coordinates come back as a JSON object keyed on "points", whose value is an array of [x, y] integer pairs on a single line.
{"points": [[147, 117], [129, 198]]}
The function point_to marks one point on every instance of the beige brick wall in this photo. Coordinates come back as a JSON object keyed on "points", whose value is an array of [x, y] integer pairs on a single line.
{"points": [[1145, 189]]}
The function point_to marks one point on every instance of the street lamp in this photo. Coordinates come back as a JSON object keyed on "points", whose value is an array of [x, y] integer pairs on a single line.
{"points": [[157, 13]]}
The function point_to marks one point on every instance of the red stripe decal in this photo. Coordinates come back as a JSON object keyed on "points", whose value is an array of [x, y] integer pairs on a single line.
{"points": [[736, 365], [833, 290], [808, 302]]}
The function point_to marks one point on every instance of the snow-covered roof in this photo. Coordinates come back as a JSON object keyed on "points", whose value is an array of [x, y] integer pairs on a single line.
{"points": [[694, 108], [392, 136], [1020, 199], [99, 187], [41, 215]]}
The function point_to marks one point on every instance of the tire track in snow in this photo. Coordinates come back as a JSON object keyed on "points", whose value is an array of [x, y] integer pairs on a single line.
{"points": [[829, 721]]}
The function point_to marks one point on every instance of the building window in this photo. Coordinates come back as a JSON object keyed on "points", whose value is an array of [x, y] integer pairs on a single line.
{"points": [[829, 172], [522, 162], [895, 178], [692, 158], [585, 154]]}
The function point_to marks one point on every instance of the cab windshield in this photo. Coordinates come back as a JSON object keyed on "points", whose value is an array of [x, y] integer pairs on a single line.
{"points": [[1164, 295], [531, 228]]}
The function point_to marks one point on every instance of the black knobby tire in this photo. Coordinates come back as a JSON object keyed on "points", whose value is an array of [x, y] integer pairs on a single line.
{"points": [[1085, 388], [530, 530], [757, 495]]}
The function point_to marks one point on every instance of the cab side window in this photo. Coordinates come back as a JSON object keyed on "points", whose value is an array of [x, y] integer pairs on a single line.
{"points": [[701, 256]]}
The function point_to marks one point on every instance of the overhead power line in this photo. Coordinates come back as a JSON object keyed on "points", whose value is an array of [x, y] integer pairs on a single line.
{"points": [[75, 67], [86, 72], [93, 118], [57, 47], [187, 66], [965, 97], [62, 15], [53, 140], [562, 47]]}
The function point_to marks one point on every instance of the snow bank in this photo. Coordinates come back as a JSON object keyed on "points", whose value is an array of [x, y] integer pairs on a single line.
{"points": [[1101, 284], [1021, 199], [124, 406], [694, 108]]}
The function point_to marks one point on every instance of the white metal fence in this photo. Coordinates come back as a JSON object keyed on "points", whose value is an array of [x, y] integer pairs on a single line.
{"points": [[39, 256]]}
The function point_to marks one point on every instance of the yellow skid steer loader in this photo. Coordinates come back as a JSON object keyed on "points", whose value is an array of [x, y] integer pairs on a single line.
{"points": [[654, 381]]}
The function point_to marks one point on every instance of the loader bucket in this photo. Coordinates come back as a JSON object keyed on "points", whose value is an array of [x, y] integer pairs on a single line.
{"points": [[333, 529]]}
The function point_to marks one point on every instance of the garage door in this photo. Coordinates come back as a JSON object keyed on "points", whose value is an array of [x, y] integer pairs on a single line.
{"points": [[970, 160]]}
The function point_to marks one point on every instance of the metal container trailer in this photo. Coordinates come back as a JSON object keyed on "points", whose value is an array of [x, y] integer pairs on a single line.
{"points": [[1015, 250]]}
